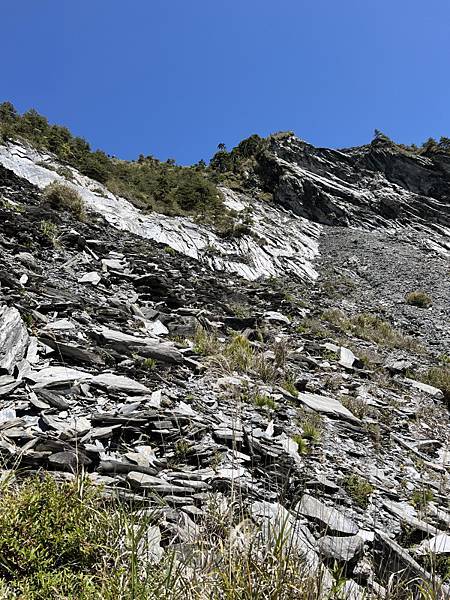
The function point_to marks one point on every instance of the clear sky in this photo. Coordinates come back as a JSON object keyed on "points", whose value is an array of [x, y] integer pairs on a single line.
{"points": [[173, 78]]}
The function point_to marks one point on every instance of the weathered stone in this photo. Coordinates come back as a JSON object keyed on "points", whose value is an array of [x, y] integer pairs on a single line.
{"points": [[424, 387], [144, 481], [72, 352], [276, 521], [92, 277], [57, 376], [148, 347], [347, 358], [119, 383], [320, 482], [7, 384], [60, 325], [326, 405], [13, 338], [342, 549], [352, 591], [328, 517], [392, 559], [439, 544], [68, 460], [407, 514], [276, 317], [149, 547]]}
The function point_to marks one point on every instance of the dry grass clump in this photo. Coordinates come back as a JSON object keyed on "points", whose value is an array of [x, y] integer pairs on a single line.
{"points": [[372, 328], [63, 197], [438, 377], [418, 298], [205, 342], [357, 406], [239, 355]]}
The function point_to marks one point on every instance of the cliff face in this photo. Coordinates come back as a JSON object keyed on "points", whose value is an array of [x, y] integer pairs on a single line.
{"points": [[374, 185], [283, 368]]}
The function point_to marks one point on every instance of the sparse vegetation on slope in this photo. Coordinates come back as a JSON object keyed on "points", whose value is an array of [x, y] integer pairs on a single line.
{"points": [[147, 182], [438, 377], [63, 197], [370, 327], [419, 298]]}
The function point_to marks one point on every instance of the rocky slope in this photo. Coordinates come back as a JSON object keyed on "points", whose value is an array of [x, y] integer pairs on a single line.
{"points": [[282, 368]]}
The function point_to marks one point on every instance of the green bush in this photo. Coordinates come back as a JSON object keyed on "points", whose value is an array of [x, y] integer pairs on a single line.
{"points": [[51, 535], [359, 489], [63, 197], [421, 497], [147, 182], [50, 231], [302, 444], [419, 298]]}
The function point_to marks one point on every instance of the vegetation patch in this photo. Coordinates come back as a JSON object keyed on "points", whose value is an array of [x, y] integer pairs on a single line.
{"points": [[147, 182], [258, 399], [355, 405], [302, 444], [438, 377], [288, 384], [63, 197], [205, 342], [359, 489], [421, 497], [418, 298], [372, 328], [53, 537], [49, 230], [63, 540]]}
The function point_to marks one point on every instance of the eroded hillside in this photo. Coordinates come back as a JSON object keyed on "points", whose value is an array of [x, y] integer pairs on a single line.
{"points": [[274, 384]]}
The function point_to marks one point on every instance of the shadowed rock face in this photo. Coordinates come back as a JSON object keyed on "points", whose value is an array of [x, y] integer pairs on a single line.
{"points": [[366, 186]]}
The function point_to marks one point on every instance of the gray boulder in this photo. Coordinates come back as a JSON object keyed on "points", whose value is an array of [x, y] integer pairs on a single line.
{"points": [[328, 517], [342, 549]]}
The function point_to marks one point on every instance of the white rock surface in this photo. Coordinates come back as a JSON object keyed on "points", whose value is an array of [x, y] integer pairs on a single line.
{"points": [[440, 544], [326, 405], [264, 254]]}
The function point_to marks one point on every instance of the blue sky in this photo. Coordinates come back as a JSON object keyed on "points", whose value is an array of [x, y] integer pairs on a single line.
{"points": [[173, 78]]}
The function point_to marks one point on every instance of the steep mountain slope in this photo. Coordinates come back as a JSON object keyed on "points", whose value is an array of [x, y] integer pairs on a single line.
{"points": [[282, 368]]}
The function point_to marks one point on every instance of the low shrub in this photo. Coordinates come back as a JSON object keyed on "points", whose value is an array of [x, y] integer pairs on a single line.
{"points": [[421, 497], [52, 537], [63, 197], [356, 406], [288, 384], [50, 231], [263, 401], [311, 432], [302, 443], [240, 354], [205, 343]]}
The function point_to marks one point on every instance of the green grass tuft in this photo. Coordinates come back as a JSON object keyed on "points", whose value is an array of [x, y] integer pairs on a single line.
{"points": [[359, 489]]}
